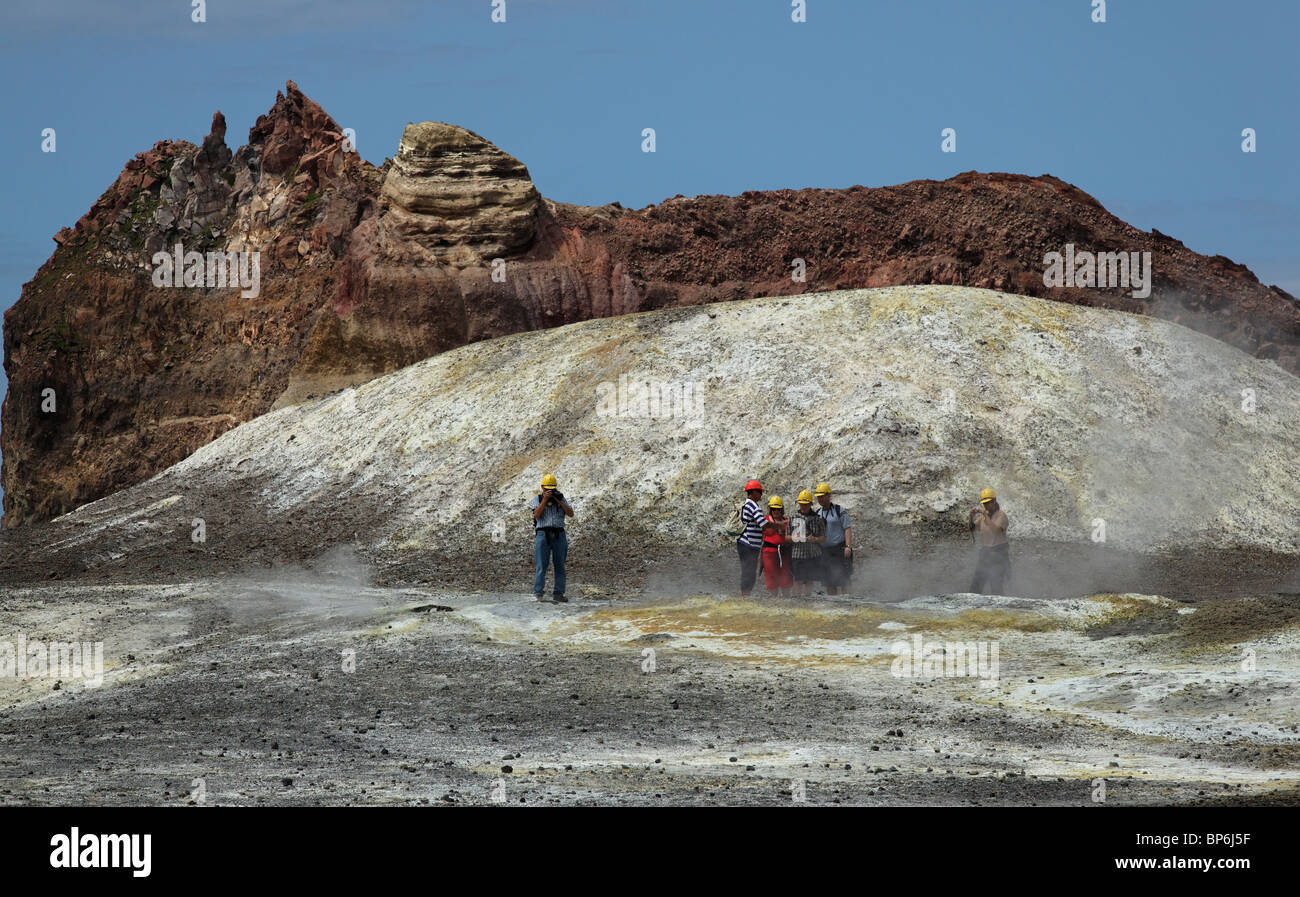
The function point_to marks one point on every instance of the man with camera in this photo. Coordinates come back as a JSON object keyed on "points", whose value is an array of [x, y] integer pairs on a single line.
{"points": [[988, 524], [550, 541]]}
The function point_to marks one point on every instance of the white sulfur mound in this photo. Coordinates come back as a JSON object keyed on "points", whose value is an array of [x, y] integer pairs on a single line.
{"points": [[907, 399]]}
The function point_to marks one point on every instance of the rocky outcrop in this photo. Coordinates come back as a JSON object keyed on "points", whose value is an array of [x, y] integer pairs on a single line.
{"points": [[907, 399], [366, 270], [454, 194], [141, 376]]}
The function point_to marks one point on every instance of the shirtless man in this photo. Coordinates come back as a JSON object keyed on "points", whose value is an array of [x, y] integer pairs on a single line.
{"points": [[989, 524]]}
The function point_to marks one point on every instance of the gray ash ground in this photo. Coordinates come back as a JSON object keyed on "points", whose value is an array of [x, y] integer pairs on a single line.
{"points": [[236, 680]]}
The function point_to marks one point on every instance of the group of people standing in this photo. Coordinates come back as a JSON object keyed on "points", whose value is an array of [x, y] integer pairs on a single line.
{"points": [[816, 545], [795, 551], [813, 545]]}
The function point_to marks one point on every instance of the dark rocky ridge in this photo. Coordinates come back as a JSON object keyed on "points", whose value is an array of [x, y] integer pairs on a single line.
{"points": [[365, 270]]}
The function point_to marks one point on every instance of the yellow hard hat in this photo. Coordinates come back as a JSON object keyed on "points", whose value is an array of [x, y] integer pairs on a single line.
{"points": [[987, 495], [548, 481], [775, 502], [823, 488], [805, 497]]}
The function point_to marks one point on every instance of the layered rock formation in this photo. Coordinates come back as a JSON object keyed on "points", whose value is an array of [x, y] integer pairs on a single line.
{"points": [[908, 399], [458, 196], [365, 270]]}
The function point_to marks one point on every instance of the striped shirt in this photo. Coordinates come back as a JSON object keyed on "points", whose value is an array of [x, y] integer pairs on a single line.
{"points": [[552, 517], [752, 518]]}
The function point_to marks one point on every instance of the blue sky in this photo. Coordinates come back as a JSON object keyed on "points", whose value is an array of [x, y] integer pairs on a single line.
{"points": [[1144, 111]]}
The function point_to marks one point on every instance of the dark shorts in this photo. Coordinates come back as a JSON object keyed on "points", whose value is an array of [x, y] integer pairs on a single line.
{"points": [[837, 569], [807, 569]]}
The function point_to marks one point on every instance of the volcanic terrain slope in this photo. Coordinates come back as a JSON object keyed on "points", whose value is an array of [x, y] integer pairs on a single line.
{"points": [[364, 270], [908, 399]]}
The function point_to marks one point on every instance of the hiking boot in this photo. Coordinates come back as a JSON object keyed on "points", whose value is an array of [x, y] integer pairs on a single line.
{"points": [[560, 598], [539, 596]]}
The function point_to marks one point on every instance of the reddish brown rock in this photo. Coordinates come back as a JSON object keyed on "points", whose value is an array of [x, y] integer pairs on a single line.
{"points": [[297, 133], [365, 270]]}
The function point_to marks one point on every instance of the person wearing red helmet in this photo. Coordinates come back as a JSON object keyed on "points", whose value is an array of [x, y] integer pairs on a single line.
{"points": [[749, 545]]}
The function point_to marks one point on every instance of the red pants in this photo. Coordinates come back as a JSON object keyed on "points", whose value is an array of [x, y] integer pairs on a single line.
{"points": [[777, 572]]}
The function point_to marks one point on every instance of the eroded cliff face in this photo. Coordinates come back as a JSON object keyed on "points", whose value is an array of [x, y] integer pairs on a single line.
{"points": [[365, 270], [143, 375]]}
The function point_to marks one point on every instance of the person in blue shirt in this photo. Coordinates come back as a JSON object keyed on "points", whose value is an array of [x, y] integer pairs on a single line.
{"points": [[837, 551], [550, 543]]}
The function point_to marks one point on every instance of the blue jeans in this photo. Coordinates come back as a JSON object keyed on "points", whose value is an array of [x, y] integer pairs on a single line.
{"points": [[548, 544]]}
